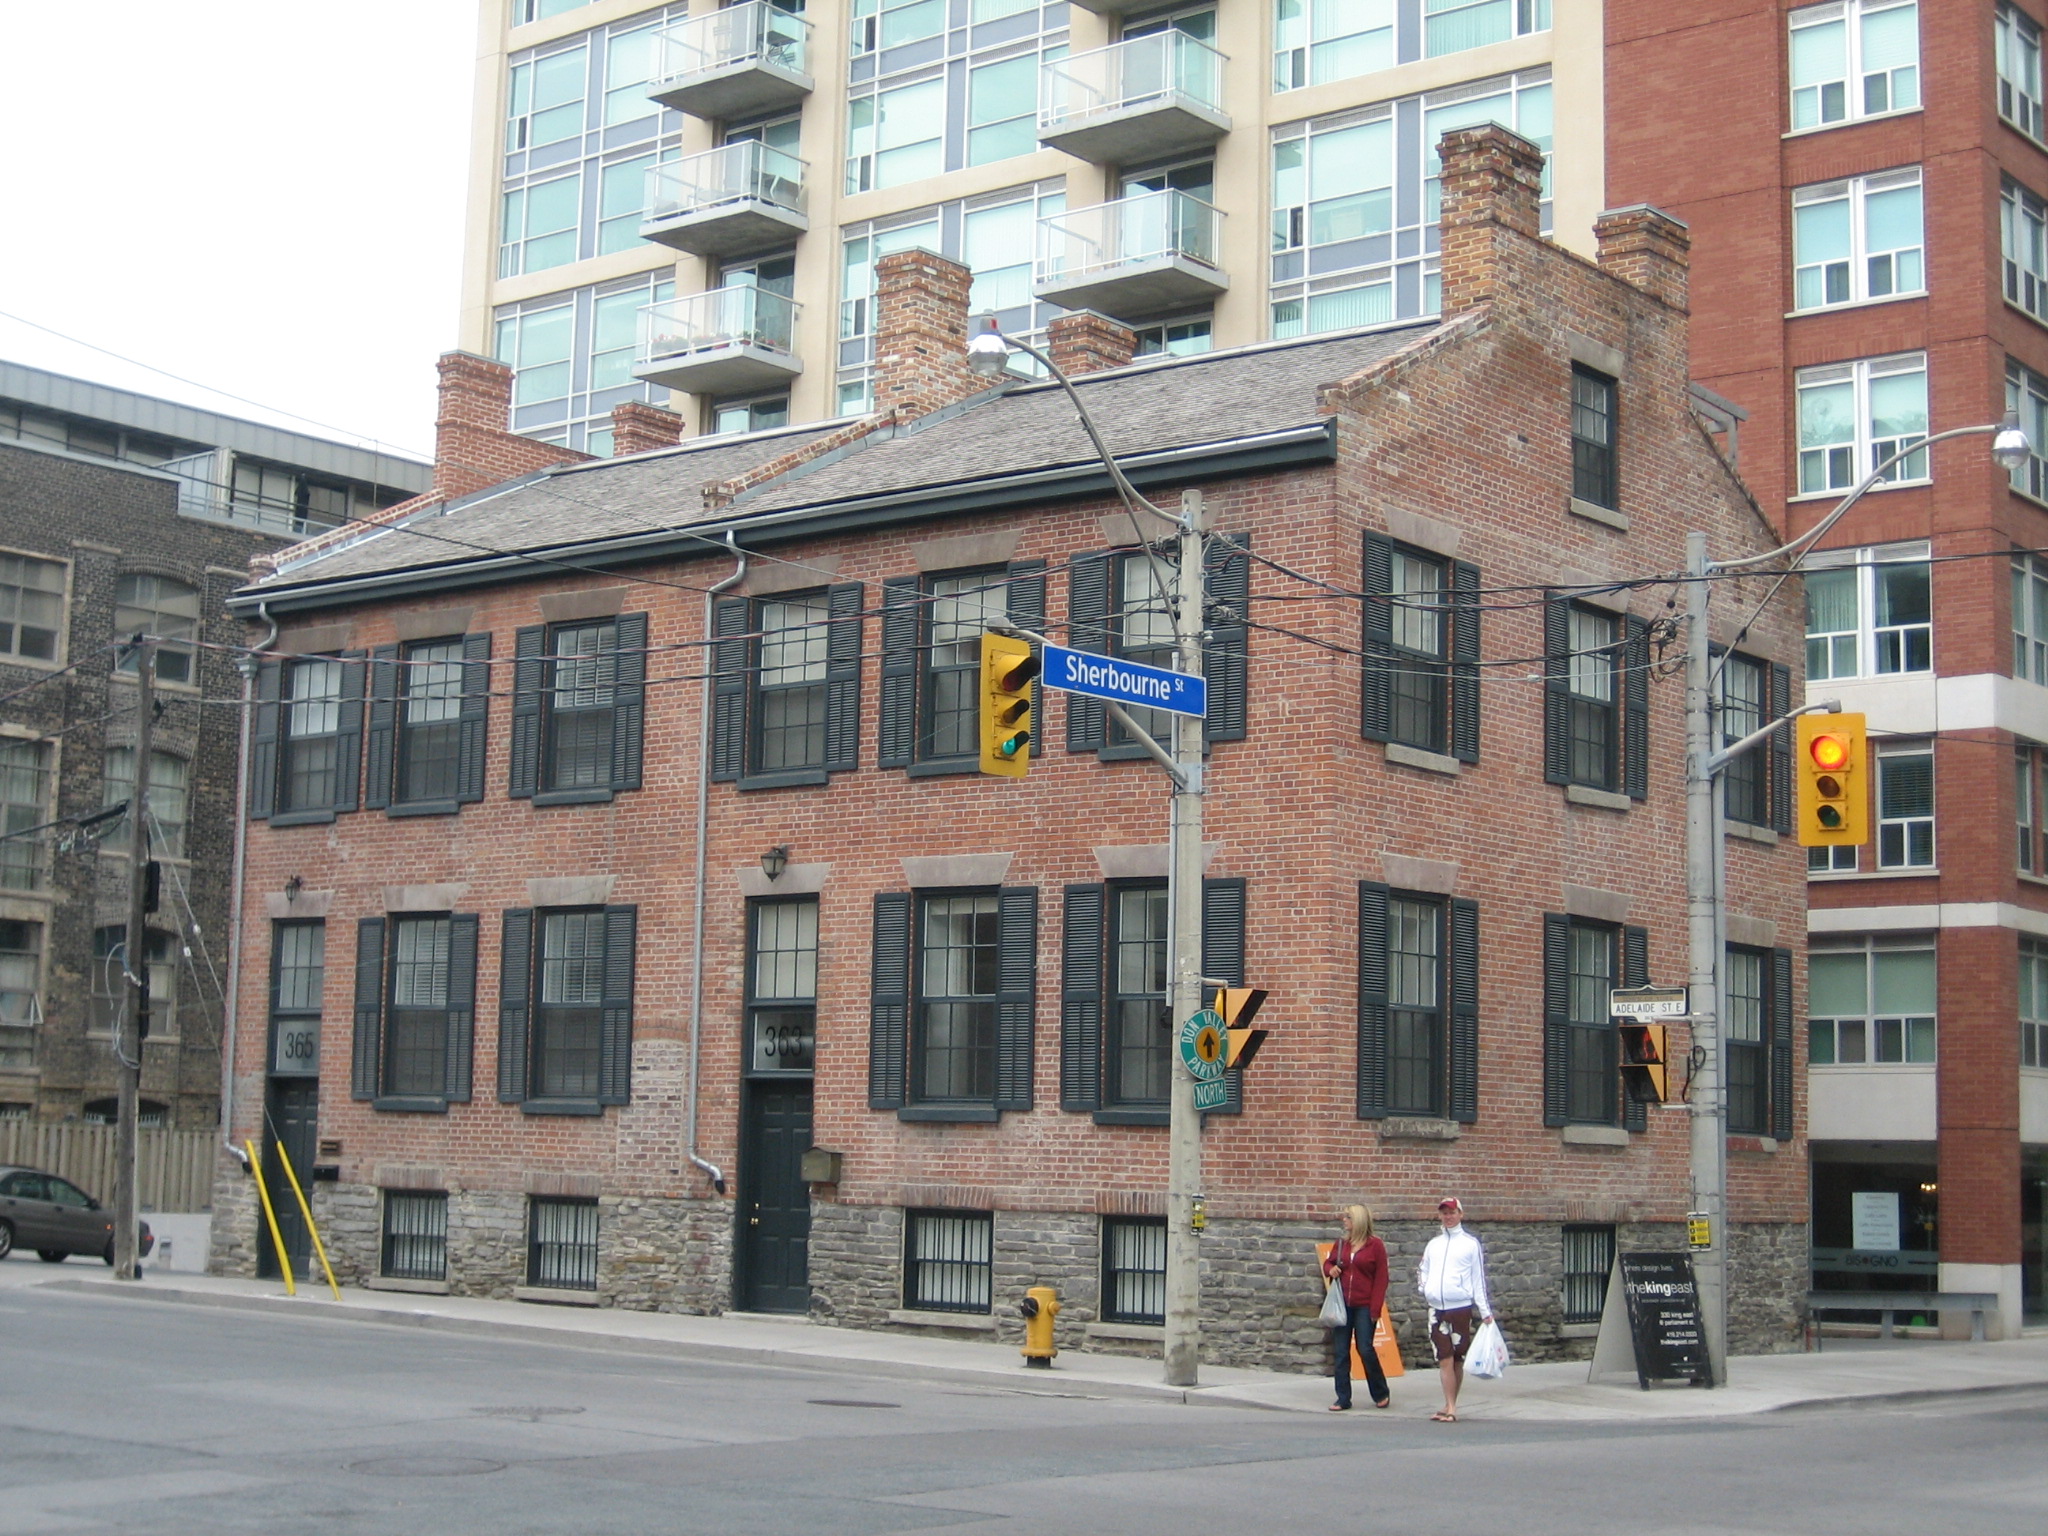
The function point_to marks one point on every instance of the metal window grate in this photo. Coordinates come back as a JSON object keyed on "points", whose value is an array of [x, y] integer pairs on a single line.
{"points": [[946, 1264], [561, 1244], [1134, 1270], [1588, 1261], [415, 1236]]}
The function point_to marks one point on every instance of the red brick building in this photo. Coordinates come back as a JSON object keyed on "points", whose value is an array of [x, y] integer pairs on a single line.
{"points": [[616, 835], [1864, 183]]}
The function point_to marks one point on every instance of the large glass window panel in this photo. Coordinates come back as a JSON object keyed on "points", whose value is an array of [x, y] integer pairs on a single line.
{"points": [[1831, 627], [536, 345], [545, 99], [1823, 249], [621, 195], [896, 136], [1002, 109], [540, 226], [1853, 58], [1321, 40], [628, 66], [1855, 416], [1905, 809]]}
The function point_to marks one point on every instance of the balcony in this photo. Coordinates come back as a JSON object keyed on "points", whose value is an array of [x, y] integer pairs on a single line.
{"points": [[1141, 256], [727, 341], [731, 63], [737, 201], [1142, 99]]}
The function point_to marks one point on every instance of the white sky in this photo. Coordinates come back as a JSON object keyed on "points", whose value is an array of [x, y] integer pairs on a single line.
{"points": [[262, 195]]}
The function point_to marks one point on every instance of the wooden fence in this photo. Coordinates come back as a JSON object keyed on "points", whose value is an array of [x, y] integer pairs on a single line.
{"points": [[174, 1168]]}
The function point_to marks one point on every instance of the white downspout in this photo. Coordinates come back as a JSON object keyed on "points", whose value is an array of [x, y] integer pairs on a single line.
{"points": [[245, 664], [711, 597]]}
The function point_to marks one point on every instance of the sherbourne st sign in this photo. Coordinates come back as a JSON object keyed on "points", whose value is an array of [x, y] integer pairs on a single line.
{"points": [[1127, 682]]}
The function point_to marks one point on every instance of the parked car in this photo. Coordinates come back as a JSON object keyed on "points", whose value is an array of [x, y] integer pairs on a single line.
{"points": [[55, 1218]]}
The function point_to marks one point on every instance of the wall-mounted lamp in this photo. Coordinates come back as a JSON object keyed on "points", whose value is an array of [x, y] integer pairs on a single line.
{"points": [[292, 887], [774, 862]]}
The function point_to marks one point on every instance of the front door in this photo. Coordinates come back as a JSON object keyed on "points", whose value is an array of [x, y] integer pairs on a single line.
{"points": [[775, 1202], [293, 1106]]}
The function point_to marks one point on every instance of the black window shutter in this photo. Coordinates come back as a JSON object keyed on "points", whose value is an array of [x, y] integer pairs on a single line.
{"points": [[1781, 749], [1635, 972], [842, 678], [731, 618], [263, 741], [348, 735], [1635, 693], [1557, 702], [1372, 999], [369, 1040], [1464, 617], [1223, 913], [629, 700], [1226, 658], [1557, 1007], [902, 619], [474, 739], [461, 1005], [615, 1022], [889, 1002], [1464, 1015], [515, 987], [1088, 630], [1376, 708], [1016, 994], [1779, 1022], [1081, 977], [381, 765], [529, 680]]}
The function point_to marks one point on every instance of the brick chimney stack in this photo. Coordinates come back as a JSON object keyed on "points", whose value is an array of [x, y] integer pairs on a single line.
{"points": [[921, 334], [1085, 342], [638, 427], [1649, 248], [474, 446], [1492, 191]]}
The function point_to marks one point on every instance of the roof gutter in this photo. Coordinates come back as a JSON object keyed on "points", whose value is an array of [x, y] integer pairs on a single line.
{"points": [[1289, 447]]}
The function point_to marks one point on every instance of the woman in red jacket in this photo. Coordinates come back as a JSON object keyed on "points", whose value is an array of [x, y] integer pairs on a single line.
{"points": [[1358, 1263]]}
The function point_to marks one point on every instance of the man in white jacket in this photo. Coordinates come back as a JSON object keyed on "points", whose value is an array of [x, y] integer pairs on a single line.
{"points": [[1452, 1279]]}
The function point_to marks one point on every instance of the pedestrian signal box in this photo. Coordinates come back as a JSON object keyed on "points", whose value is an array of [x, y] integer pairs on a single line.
{"points": [[1645, 1072], [1238, 1006], [1007, 670], [1829, 765]]}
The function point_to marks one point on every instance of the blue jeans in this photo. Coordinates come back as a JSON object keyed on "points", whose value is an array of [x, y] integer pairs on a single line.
{"points": [[1357, 1323]]}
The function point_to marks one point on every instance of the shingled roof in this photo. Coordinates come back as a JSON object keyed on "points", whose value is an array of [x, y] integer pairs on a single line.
{"points": [[1160, 406]]}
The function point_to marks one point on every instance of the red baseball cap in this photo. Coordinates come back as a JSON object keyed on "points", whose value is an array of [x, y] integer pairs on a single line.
{"points": [[1449, 1203]]}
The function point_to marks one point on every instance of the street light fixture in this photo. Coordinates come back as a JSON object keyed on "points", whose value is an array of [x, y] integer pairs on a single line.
{"points": [[1706, 871]]}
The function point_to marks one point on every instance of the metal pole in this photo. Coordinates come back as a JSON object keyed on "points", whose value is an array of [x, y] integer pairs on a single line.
{"points": [[1184, 901], [1702, 892], [134, 967]]}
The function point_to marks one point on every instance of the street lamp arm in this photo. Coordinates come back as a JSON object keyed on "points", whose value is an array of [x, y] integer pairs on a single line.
{"points": [[1729, 753]]}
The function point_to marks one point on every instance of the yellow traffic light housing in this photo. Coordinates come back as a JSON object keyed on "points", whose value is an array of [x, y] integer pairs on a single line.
{"points": [[1645, 1062], [1007, 669], [1238, 1006], [1829, 764]]}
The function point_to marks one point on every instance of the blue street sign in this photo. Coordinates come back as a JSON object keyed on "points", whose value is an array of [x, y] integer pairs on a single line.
{"points": [[1128, 682]]}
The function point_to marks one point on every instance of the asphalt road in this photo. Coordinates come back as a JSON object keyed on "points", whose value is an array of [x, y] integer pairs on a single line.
{"points": [[122, 1414]]}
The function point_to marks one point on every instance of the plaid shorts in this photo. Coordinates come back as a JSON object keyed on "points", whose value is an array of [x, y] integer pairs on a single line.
{"points": [[1451, 1332]]}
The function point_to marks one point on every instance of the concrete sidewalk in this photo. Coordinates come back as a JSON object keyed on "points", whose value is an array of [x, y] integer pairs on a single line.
{"points": [[1847, 1371]]}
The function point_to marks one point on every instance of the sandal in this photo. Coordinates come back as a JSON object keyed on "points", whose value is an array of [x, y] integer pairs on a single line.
{"points": [[1340, 1407], [1442, 1417], [1385, 1402]]}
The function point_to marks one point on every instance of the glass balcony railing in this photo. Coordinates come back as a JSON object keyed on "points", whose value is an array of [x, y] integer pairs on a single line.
{"points": [[678, 330], [1162, 69], [1139, 231], [747, 172], [718, 44]]}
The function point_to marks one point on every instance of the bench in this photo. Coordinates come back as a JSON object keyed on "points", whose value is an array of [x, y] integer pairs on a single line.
{"points": [[1889, 1303]]}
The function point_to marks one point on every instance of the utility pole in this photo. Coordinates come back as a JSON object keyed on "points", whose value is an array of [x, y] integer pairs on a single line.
{"points": [[134, 968], [1184, 904]]}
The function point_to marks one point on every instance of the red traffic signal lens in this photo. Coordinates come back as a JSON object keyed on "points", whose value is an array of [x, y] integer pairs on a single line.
{"points": [[1829, 752]]}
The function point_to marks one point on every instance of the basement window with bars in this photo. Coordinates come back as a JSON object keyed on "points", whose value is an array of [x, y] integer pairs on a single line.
{"points": [[561, 1243], [947, 1260], [1134, 1269], [415, 1245], [1588, 1261]]}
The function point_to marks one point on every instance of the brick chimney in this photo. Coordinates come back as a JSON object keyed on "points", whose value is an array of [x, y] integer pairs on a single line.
{"points": [[1647, 247], [474, 446], [1492, 191], [921, 334], [1085, 342], [638, 427]]}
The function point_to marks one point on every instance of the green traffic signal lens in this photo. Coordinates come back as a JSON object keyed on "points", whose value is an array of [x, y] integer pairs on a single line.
{"points": [[1830, 817]]}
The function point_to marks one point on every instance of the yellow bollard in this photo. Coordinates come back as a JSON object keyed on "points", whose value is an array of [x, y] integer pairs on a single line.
{"points": [[306, 1211], [284, 1260], [1041, 1304]]}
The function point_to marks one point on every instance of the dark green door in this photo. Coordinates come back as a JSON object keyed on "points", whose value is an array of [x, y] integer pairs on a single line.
{"points": [[293, 1119], [775, 1202]]}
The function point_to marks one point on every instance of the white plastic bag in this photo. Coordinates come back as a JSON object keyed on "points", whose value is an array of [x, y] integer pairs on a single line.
{"points": [[1488, 1356], [1334, 1314]]}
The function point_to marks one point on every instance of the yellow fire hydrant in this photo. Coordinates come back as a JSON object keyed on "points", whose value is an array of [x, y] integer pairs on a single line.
{"points": [[1041, 1304]]}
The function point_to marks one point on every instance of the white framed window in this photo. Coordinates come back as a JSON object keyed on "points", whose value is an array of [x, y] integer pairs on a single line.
{"points": [[2023, 242], [538, 226], [1002, 109], [1871, 1002], [572, 357], [31, 608], [1854, 58], [1905, 806], [2030, 618], [1868, 612], [1854, 416], [2018, 56], [544, 99], [1831, 861], [2026, 396], [2033, 1002], [1317, 40], [879, 24], [896, 135], [1452, 26], [1857, 239]]}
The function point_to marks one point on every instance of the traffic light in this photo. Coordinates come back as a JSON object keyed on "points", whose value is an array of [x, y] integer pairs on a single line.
{"points": [[1238, 1006], [1834, 805], [1007, 668], [1645, 1073]]}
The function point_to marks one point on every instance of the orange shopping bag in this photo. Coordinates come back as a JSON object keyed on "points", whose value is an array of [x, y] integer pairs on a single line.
{"points": [[1383, 1341]]}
